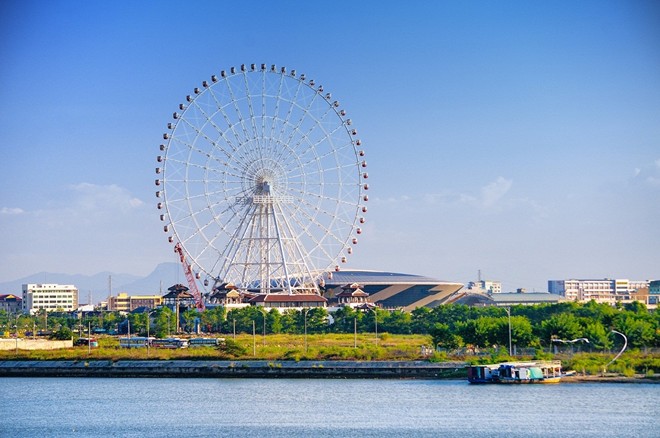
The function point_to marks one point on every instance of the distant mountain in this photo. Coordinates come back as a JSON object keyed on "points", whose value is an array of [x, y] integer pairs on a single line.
{"points": [[98, 285]]}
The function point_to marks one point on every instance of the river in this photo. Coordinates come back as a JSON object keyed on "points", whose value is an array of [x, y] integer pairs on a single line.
{"points": [[153, 407]]}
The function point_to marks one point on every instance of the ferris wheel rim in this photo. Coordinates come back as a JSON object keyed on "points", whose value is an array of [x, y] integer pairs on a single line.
{"points": [[307, 193]]}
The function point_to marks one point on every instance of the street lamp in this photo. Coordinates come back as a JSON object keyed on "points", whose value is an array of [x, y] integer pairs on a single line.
{"points": [[305, 321], [264, 337], [625, 344], [254, 340], [374, 309], [508, 312]]}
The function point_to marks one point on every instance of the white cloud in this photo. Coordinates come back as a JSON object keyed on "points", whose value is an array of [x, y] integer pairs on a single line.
{"points": [[91, 196], [648, 174], [11, 211], [493, 192], [653, 181]]}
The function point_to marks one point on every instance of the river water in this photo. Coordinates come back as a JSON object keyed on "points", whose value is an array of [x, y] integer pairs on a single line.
{"points": [[100, 407]]}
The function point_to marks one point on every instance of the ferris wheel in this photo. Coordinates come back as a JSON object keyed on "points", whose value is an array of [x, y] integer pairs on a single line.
{"points": [[262, 181]]}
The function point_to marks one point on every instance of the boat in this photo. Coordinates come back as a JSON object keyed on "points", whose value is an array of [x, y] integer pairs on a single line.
{"points": [[516, 372]]}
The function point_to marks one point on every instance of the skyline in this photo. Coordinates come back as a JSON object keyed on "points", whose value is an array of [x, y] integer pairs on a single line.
{"points": [[522, 140]]}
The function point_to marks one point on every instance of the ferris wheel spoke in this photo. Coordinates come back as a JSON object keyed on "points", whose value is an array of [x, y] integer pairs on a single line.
{"points": [[230, 124], [305, 111], [205, 168], [239, 113], [332, 215], [276, 111], [305, 230], [199, 132], [289, 113], [306, 135], [210, 121], [255, 131], [296, 152]]}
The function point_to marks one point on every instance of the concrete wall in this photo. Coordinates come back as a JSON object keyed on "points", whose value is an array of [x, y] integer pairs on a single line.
{"points": [[34, 344], [225, 369]]}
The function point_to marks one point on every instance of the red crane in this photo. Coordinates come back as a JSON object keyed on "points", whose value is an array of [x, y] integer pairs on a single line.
{"points": [[199, 300]]}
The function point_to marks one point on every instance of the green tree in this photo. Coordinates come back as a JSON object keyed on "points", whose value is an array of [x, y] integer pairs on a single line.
{"points": [[481, 332], [640, 333], [64, 333], [190, 318], [274, 321], [421, 320], [443, 337], [212, 319], [317, 320], [342, 320], [289, 321], [164, 322], [598, 336], [521, 332], [561, 326], [396, 321]]}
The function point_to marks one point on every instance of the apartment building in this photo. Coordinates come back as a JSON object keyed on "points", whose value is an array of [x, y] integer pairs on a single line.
{"points": [[127, 303], [51, 297], [605, 290]]}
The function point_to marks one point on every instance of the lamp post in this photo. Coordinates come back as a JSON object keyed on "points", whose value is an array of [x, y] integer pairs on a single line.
{"points": [[374, 309], [354, 332], [16, 333], [148, 324], [508, 312], [625, 344], [254, 340], [264, 337], [305, 323]]}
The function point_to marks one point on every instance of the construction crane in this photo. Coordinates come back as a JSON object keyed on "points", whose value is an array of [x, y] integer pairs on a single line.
{"points": [[187, 269]]}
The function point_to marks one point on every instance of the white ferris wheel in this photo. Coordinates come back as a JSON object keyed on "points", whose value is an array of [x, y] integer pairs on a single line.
{"points": [[262, 181]]}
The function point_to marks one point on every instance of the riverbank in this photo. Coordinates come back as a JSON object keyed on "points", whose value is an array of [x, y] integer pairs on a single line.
{"points": [[229, 369], [610, 378]]}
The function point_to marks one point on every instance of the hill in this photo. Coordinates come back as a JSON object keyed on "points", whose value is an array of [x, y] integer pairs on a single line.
{"points": [[98, 286]]}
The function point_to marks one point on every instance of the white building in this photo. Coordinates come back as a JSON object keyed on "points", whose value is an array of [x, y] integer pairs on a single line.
{"points": [[51, 297], [606, 290], [486, 286]]}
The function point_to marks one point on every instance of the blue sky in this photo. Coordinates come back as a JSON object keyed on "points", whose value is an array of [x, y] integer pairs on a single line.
{"points": [[519, 138]]}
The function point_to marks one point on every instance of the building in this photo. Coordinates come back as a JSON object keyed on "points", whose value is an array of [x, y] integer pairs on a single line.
{"points": [[228, 296], [127, 303], [286, 302], [605, 290], [353, 296], [11, 303], [486, 286], [51, 297], [507, 299], [392, 290]]}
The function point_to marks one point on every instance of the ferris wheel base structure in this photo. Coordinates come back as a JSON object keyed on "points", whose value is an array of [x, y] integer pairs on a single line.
{"points": [[262, 181]]}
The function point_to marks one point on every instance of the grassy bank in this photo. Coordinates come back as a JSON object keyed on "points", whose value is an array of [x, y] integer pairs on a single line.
{"points": [[270, 347], [364, 347]]}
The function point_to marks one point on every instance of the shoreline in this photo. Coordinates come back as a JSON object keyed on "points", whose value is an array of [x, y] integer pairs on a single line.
{"points": [[234, 369], [265, 369]]}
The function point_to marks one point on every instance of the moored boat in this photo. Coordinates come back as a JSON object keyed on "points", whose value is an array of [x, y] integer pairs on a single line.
{"points": [[516, 372]]}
